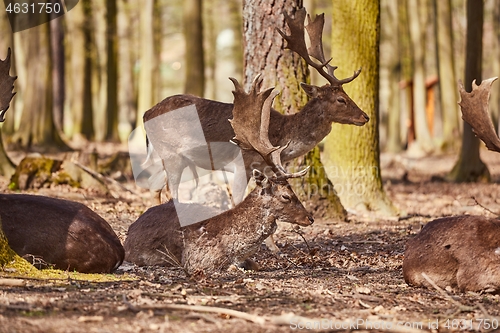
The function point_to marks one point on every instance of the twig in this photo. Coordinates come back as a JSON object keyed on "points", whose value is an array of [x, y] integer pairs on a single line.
{"points": [[102, 178], [483, 207], [171, 259], [305, 241], [461, 307], [198, 308]]}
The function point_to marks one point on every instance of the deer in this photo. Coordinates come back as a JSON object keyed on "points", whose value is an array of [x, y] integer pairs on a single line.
{"points": [[51, 232], [213, 244], [461, 252], [298, 133]]}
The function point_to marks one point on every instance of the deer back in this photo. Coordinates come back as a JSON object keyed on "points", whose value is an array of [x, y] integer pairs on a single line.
{"points": [[65, 234], [462, 252]]}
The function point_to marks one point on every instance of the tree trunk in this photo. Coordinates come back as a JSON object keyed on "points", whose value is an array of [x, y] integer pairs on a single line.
{"points": [[495, 94], [283, 69], [393, 64], [87, 115], [237, 26], [112, 73], [423, 140], [145, 98], [37, 129], [469, 167], [58, 86], [447, 79], [351, 154], [194, 58], [7, 168]]}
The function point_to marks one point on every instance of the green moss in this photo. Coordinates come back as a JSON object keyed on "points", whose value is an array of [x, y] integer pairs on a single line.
{"points": [[33, 172]]}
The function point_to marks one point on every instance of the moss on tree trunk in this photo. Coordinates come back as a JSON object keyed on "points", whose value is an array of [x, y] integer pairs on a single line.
{"points": [[351, 153]]}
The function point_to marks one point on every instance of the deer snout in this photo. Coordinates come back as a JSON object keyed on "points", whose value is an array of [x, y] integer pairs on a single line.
{"points": [[307, 221], [362, 119]]}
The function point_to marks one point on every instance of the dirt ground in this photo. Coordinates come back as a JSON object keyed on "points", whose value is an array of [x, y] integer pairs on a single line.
{"points": [[335, 276]]}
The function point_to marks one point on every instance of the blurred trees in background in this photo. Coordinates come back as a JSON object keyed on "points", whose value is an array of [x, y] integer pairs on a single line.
{"points": [[123, 56]]}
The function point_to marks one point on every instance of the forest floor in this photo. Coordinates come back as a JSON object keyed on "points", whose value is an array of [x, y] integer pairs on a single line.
{"points": [[340, 276]]}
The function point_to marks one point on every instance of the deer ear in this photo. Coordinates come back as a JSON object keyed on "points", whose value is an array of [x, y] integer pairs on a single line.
{"points": [[311, 91], [260, 178]]}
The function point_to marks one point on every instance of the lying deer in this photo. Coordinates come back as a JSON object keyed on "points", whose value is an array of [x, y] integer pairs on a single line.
{"points": [[157, 237], [55, 232], [461, 252], [298, 133], [58, 233]]}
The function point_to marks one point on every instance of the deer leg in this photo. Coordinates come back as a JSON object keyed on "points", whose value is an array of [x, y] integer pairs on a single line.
{"points": [[271, 245]]}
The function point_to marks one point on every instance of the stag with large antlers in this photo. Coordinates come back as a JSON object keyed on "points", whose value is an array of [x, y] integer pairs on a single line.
{"points": [[461, 252], [296, 134], [157, 237]]}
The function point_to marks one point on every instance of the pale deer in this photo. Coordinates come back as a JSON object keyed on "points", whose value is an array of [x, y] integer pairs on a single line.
{"points": [[462, 252], [52, 232], [298, 133], [231, 237]]}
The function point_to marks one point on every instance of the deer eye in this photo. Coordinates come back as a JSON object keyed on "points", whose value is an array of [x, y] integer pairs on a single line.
{"points": [[286, 197], [341, 100]]}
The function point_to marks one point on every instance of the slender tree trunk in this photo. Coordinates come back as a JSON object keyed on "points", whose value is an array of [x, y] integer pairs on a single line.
{"points": [[423, 140], [7, 168], [87, 116], [283, 69], [112, 73], [58, 84], [148, 62], [495, 94], [469, 166], [194, 58], [210, 36], [447, 79], [393, 63], [235, 9], [352, 153]]}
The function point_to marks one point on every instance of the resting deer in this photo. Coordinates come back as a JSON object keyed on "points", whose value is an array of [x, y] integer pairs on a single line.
{"points": [[54, 232], [157, 237], [298, 133], [462, 252]]}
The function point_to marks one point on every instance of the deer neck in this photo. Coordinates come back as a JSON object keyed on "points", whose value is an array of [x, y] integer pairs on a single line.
{"points": [[304, 130]]}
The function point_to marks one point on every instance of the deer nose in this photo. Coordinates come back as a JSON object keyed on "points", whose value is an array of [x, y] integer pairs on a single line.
{"points": [[366, 116], [311, 219]]}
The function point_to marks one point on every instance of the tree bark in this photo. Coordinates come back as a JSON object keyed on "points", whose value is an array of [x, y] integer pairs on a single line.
{"points": [[283, 69], [352, 153], [194, 58], [469, 167], [447, 79]]}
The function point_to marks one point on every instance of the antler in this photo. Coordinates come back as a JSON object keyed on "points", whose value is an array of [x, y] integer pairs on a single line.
{"points": [[474, 106], [6, 86], [296, 42], [251, 114]]}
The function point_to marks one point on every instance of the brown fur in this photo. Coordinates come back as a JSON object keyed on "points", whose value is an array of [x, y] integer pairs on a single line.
{"points": [[215, 243], [302, 130], [62, 233], [462, 252]]}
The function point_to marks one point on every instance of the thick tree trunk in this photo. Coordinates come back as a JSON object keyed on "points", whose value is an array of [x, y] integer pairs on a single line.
{"points": [[87, 115], [469, 166], [447, 79], [352, 153], [285, 70], [58, 86], [193, 34]]}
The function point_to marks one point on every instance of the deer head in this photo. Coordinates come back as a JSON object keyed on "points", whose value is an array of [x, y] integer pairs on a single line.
{"points": [[338, 104], [6, 86], [251, 114]]}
